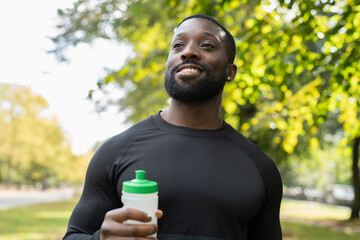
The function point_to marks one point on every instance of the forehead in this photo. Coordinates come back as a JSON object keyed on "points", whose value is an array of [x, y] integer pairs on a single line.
{"points": [[196, 26]]}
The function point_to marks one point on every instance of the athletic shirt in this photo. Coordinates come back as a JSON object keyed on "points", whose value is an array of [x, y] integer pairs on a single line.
{"points": [[213, 184]]}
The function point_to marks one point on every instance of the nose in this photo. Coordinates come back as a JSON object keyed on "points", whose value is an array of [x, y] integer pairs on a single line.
{"points": [[191, 51]]}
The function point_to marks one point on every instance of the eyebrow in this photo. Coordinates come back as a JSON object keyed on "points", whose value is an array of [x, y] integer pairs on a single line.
{"points": [[206, 33], [210, 34]]}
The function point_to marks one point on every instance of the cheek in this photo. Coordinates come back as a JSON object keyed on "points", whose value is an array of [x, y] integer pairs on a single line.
{"points": [[168, 66], [218, 60], [219, 66], [170, 61]]}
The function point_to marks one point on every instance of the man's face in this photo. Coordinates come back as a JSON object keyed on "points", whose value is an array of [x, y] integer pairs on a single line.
{"points": [[197, 62]]}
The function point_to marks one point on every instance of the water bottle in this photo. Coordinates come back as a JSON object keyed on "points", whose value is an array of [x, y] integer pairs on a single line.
{"points": [[141, 194]]}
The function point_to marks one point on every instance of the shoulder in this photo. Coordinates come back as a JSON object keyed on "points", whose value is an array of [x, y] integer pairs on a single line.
{"points": [[101, 172], [114, 148], [117, 143], [266, 167], [246, 145]]}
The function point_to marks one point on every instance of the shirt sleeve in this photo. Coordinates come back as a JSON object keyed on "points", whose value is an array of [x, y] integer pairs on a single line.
{"points": [[99, 196], [266, 224]]}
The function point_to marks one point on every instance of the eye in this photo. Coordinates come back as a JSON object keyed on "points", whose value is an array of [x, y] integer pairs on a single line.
{"points": [[178, 45], [208, 45]]}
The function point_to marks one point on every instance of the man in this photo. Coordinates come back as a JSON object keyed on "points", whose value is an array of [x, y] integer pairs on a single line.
{"points": [[213, 183]]}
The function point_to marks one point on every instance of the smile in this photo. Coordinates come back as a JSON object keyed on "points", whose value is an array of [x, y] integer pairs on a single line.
{"points": [[189, 70]]}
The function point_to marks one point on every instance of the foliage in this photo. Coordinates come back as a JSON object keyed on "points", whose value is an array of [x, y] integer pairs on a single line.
{"points": [[317, 168], [33, 148], [293, 59], [139, 24]]}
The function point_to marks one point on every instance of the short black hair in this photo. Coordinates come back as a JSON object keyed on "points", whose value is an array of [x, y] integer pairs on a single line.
{"points": [[229, 38]]}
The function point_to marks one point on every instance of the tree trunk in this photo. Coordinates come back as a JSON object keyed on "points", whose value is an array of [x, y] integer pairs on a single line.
{"points": [[356, 180]]}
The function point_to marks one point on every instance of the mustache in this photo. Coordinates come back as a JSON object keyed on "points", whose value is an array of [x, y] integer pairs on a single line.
{"points": [[189, 61]]}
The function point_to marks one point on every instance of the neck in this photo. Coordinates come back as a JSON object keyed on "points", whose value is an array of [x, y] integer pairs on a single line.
{"points": [[201, 115]]}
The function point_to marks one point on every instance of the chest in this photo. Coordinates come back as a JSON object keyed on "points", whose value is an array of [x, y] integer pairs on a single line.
{"points": [[197, 174]]}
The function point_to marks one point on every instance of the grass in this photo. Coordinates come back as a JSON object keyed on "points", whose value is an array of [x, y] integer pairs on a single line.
{"points": [[36, 222], [300, 220], [304, 231], [313, 211], [316, 221]]}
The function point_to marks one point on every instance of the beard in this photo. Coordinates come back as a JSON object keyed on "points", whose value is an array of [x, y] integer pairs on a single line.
{"points": [[201, 90]]}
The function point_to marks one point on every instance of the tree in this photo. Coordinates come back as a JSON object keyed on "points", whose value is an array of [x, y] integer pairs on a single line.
{"points": [[33, 148], [329, 30], [148, 33], [298, 65]]}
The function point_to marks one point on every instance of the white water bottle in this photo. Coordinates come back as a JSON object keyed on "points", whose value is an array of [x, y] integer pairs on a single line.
{"points": [[141, 194]]}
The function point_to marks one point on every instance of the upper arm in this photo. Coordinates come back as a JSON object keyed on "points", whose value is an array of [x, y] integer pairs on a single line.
{"points": [[98, 197], [266, 223]]}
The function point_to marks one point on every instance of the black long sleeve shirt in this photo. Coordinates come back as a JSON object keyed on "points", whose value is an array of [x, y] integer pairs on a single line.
{"points": [[213, 184]]}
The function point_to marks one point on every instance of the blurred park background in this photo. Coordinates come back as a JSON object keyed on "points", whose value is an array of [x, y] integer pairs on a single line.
{"points": [[296, 95]]}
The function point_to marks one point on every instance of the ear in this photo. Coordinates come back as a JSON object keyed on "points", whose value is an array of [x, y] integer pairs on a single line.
{"points": [[231, 70]]}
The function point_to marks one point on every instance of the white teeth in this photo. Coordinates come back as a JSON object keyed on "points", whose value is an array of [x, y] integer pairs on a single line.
{"points": [[190, 70]]}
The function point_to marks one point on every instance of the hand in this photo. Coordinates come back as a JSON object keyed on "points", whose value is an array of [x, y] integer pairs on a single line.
{"points": [[114, 228]]}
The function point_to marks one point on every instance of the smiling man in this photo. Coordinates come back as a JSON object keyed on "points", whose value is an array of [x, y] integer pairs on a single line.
{"points": [[214, 184], [198, 66]]}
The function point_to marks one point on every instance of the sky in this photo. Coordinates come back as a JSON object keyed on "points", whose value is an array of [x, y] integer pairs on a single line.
{"points": [[24, 27]]}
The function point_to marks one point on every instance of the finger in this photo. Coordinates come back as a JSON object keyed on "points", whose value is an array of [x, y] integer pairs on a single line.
{"points": [[102, 237], [123, 214], [159, 213], [134, 230], [139, 238]]}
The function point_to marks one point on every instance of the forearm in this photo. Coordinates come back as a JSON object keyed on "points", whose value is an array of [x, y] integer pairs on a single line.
{"points": [[86, 219], [82, 236]]}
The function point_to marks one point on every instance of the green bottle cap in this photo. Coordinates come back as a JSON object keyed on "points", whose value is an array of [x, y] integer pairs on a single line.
{"points": [[140, 184]]}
